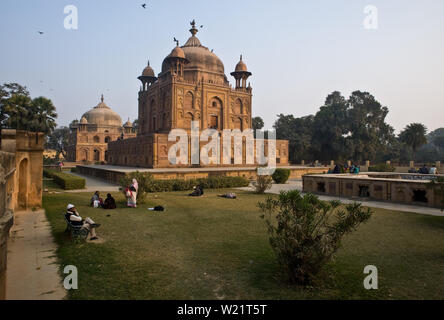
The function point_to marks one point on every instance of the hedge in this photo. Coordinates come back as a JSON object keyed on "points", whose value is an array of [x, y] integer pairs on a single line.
{"points": [[149, 185], [280, 175], [65, 180], [382, 167]]}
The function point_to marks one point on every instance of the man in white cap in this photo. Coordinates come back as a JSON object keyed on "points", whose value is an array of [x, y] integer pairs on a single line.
{"points": [[73, 216]]}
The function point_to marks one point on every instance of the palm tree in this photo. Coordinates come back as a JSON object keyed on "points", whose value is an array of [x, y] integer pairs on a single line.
{"points": [[43, 115], [414, 135]]}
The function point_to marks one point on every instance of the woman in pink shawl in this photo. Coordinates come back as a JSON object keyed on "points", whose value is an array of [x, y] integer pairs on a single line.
{"points": [[131, 194]]}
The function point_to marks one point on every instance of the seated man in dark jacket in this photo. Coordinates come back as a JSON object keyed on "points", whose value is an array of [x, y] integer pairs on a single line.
{"points": [[74, 218], [109, 203]]}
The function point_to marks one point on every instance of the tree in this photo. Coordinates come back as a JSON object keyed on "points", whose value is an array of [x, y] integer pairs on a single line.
{"points": [[58, 140], [19, 111], [257, 123], [414, 136], [299, 132], [305, 232], [369, 133], [136, 125], [330, 129]]}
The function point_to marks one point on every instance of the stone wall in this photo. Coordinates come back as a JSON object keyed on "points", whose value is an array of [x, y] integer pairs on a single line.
{"points": [[7, 170], [400, 188], [114, 174]]}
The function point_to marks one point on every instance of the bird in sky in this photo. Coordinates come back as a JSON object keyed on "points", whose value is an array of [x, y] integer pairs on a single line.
{"points": [[176, 41], [144, 5], [201, 26], [40, 32]]}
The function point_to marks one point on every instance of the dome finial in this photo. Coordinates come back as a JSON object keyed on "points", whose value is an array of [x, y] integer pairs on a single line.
{"points": [[148, 63], [241, 57], [102, 98], [193, 29]]}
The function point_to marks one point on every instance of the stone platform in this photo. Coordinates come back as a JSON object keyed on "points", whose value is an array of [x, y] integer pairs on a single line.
{"points": [[406, 188], [113, 174]]}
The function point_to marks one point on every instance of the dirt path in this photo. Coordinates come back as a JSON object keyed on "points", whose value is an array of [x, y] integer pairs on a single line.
{"points": [[32, 269]]}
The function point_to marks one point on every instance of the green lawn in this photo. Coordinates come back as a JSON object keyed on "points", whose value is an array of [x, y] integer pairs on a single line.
{"points": [[215, 248]]}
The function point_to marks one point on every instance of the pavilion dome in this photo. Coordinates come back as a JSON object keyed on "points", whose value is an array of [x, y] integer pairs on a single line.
{"points": [[103, 115], [148, 71], [241, 66]]}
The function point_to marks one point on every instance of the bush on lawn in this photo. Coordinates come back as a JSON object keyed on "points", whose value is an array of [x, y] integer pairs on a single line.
{"points": [[65, 180], [305, 232], [382, 167], [280, 175], [147, 184], [263, 183]]}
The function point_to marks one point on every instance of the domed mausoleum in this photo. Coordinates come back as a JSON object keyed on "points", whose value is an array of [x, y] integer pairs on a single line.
{"points": [[89, 137], [192, 86]]}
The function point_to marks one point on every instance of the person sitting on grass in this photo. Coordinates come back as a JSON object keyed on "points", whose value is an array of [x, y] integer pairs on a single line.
{"points": [[96, 201], [109, 203], [229, 195], [73, 216], [198, 191]]}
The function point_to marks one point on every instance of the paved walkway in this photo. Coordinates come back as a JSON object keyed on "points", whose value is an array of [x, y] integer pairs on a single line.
{"points": [[297, 184], [32, 269], [95, 184]]}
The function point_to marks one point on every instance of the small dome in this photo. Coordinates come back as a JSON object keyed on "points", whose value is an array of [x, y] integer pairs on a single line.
{"points": [[148, 71], [177, 53], [103, 115], [128, 124], [83, 120], [241, 66]]}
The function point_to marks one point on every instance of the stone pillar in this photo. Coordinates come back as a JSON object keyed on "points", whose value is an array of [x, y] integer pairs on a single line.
{"points": [[367, 163], [388, 162], [303, 163], [438, 164], [349, 163], [332, 163], [316, 162], [412, 164]]}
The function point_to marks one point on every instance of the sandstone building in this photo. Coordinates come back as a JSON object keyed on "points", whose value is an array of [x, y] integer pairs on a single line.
{"points": [[89, 138], [21, 171], [192, 86]]}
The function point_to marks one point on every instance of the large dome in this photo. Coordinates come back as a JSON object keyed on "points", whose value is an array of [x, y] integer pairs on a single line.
{"points": [[103, 115], [199, 57]]}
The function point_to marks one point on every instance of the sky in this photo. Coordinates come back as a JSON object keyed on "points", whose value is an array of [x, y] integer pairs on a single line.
{"points": [[298, 52]]}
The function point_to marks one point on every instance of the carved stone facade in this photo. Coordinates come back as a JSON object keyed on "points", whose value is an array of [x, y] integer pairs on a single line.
{"points": [[192, 86], [89, 138]]}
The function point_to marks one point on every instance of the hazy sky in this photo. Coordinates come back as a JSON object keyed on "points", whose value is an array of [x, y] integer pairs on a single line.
{"points": [[298, 51]]}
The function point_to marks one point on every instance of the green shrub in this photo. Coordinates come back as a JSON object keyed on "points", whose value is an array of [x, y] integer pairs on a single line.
{"points": [[65, 180], [305, 232], [263, 183], [382, 167], [74, 169], [280, 175], [147, 184]]}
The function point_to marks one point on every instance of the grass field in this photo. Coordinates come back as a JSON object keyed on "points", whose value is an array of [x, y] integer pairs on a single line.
{"points": [[215, 248]]}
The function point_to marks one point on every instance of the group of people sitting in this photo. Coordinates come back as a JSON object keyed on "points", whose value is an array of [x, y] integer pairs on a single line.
{"points": [[355, 169], [425, 170], [97, 201]]}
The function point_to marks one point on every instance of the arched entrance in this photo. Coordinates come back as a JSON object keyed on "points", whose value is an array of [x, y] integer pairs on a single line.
{"points": [[96, 155], [23, 184]]}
